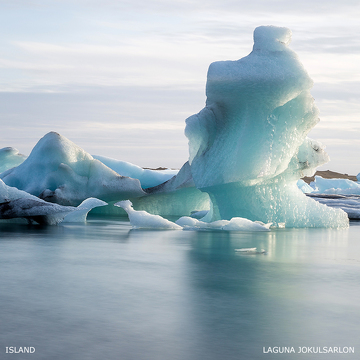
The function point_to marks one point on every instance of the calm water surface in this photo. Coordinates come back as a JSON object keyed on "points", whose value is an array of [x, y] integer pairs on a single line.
{"points": [[104, 291]]}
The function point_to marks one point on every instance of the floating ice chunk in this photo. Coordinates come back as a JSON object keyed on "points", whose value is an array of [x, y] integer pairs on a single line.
{"points": [[186, 221], [250, 251], [9, 158], [81, 212], [241, 224], [60, 171], [235, 224], [335, 186], [249, 146], [144, 220], [148, 178], [348, 203]]}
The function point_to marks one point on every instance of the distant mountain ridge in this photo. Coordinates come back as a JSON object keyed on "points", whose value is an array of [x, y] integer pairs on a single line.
{"points": [[328, 174]]}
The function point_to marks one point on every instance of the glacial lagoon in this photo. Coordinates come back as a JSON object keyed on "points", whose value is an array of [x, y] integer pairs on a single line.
{"points": [[102, 290]]}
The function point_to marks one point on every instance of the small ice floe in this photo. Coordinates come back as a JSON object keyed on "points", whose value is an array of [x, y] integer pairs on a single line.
{"points": [[144, 220], [81, 212], [250, 251], [235, 224]]}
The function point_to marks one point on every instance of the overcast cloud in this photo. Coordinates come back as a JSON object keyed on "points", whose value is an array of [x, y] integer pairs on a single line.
{"points": [[119, 78]]}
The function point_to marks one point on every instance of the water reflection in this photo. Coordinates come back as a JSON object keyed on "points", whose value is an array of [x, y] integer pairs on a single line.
{"points": [[102, 290], [288, 297]]}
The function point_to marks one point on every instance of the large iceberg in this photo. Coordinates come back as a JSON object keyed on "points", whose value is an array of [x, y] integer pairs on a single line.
{"points": [[249, 145], [57, 170]]}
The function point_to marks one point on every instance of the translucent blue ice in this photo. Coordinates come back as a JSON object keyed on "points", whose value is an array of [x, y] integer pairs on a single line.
{"points": [[9, 158]]}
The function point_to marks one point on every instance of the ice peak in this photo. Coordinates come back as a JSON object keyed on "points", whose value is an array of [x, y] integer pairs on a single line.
{"points": [[272, 38]]}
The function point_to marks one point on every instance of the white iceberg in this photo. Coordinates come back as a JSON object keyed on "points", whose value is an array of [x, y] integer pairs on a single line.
{"points": [[335, 186], [144, 220], [15, 204], [249, 146], [9, 158], [80, 213], [59, 171]]}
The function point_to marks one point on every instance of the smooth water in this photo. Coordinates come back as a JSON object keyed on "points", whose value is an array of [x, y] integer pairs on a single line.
{"points": [[104, 291]]}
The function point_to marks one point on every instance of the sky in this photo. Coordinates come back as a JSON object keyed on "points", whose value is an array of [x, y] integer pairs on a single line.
{"points": [[119, 78]]}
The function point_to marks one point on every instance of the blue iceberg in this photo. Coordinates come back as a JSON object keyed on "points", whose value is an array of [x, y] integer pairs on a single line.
{"points": [[248, 147]]}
